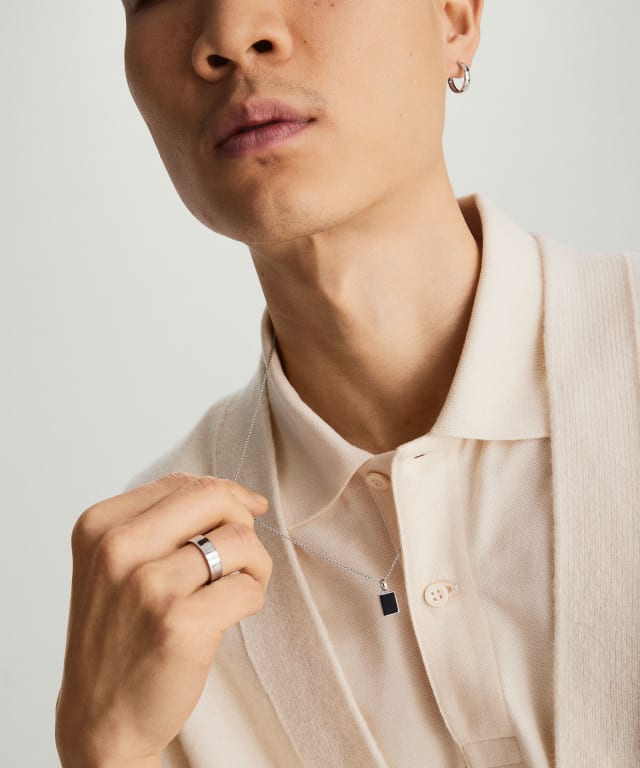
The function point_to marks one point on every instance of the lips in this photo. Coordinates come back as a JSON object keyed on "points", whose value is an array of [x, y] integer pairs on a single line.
{"points": [[241, 117], [253, 126], [261, 138]]}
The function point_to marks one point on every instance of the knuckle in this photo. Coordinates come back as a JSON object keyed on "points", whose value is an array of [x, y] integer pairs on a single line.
{"points": [[84, 530], [112, 552], [180, 476], [268, 564], [241, 524], [173, 626], [245, 516], [149, 585], [255, 594], [209, 483], [265, 561], [243, 532]]}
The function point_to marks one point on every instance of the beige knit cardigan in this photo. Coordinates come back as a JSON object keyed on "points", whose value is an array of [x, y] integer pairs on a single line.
{"points": [[276, 695]]}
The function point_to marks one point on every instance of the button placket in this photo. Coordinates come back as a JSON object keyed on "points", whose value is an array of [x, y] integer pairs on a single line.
{"points": [[379, 484], [457, 637]]}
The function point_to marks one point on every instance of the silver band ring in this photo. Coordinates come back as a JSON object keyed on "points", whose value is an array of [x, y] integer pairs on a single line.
{"points": [[210, 555]]}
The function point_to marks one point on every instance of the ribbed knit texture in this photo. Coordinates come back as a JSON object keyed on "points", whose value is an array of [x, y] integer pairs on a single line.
{"points": [[591, 340]]}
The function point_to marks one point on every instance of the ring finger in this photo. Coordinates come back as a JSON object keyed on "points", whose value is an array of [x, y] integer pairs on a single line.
{"points": [[186, 569]]}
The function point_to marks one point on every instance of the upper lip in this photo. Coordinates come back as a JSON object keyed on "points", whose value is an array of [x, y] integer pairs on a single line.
{"points": [[240, 115]]}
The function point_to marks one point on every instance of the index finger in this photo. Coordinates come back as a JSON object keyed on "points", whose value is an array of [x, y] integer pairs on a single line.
{"points": [[118, 509]]}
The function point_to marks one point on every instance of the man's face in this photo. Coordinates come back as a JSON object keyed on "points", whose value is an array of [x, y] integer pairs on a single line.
{"points": [[372, 73]]}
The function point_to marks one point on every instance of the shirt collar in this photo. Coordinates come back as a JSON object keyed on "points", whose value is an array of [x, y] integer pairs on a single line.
{"points": [[498, 391]]}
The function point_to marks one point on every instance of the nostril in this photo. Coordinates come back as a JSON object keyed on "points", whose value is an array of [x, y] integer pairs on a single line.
{"points": [[263, 45], [216, 61]]}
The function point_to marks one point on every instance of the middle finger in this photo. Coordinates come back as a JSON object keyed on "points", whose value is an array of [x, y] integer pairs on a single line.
{"points": [[201, 505], [186, 569]]}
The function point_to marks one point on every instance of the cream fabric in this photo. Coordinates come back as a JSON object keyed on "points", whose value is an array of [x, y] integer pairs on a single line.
{"points": [[469, 504], [481, 672]]}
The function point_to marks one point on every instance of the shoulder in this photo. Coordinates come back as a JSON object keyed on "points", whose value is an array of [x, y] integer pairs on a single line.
{"points": [[194, 452], [553, 248], [632, 260], [589, 272]]}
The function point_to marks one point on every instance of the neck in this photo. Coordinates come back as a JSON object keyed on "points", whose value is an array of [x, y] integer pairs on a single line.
{"points": [[371, 315]]}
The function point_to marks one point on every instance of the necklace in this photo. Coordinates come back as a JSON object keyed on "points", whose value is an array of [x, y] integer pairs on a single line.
{"points": [[388, 599]]}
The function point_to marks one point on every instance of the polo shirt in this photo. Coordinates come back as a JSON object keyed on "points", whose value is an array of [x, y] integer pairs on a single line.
{"points": [[468, 505]]}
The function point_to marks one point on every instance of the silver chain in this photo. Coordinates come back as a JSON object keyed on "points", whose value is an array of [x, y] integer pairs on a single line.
{"points": [[383, 581]]}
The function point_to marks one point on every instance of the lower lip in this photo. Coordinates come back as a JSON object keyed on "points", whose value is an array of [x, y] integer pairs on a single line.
{"points": [[242, 144]]}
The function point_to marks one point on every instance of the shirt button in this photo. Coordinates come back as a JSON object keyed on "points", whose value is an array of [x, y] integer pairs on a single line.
{"points": [[378, 481], [437, 593]]}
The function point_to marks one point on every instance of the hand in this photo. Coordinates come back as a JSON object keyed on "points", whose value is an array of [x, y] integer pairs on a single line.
{"points": [[143, 625]]}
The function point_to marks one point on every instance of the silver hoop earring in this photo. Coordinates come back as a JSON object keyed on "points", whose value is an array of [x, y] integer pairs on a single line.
{"points": [[467, 79]]}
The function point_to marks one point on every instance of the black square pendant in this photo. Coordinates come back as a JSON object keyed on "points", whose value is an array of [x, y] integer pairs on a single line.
{"points": [[389, 603]]}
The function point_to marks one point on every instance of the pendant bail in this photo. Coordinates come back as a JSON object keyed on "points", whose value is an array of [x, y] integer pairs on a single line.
{"points": [[383, 585]]}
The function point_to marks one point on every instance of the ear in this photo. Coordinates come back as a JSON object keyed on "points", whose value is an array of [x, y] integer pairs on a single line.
{"points": [[460, 21]]}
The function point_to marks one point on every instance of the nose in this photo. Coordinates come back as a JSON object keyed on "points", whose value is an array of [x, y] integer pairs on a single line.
{"points": [[234, 33]]}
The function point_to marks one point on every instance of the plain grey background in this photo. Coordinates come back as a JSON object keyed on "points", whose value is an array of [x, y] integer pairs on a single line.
{"points": [[110, 287]]}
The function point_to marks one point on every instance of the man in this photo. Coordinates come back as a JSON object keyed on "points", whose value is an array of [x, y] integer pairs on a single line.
{"points": [[405, 421]]}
